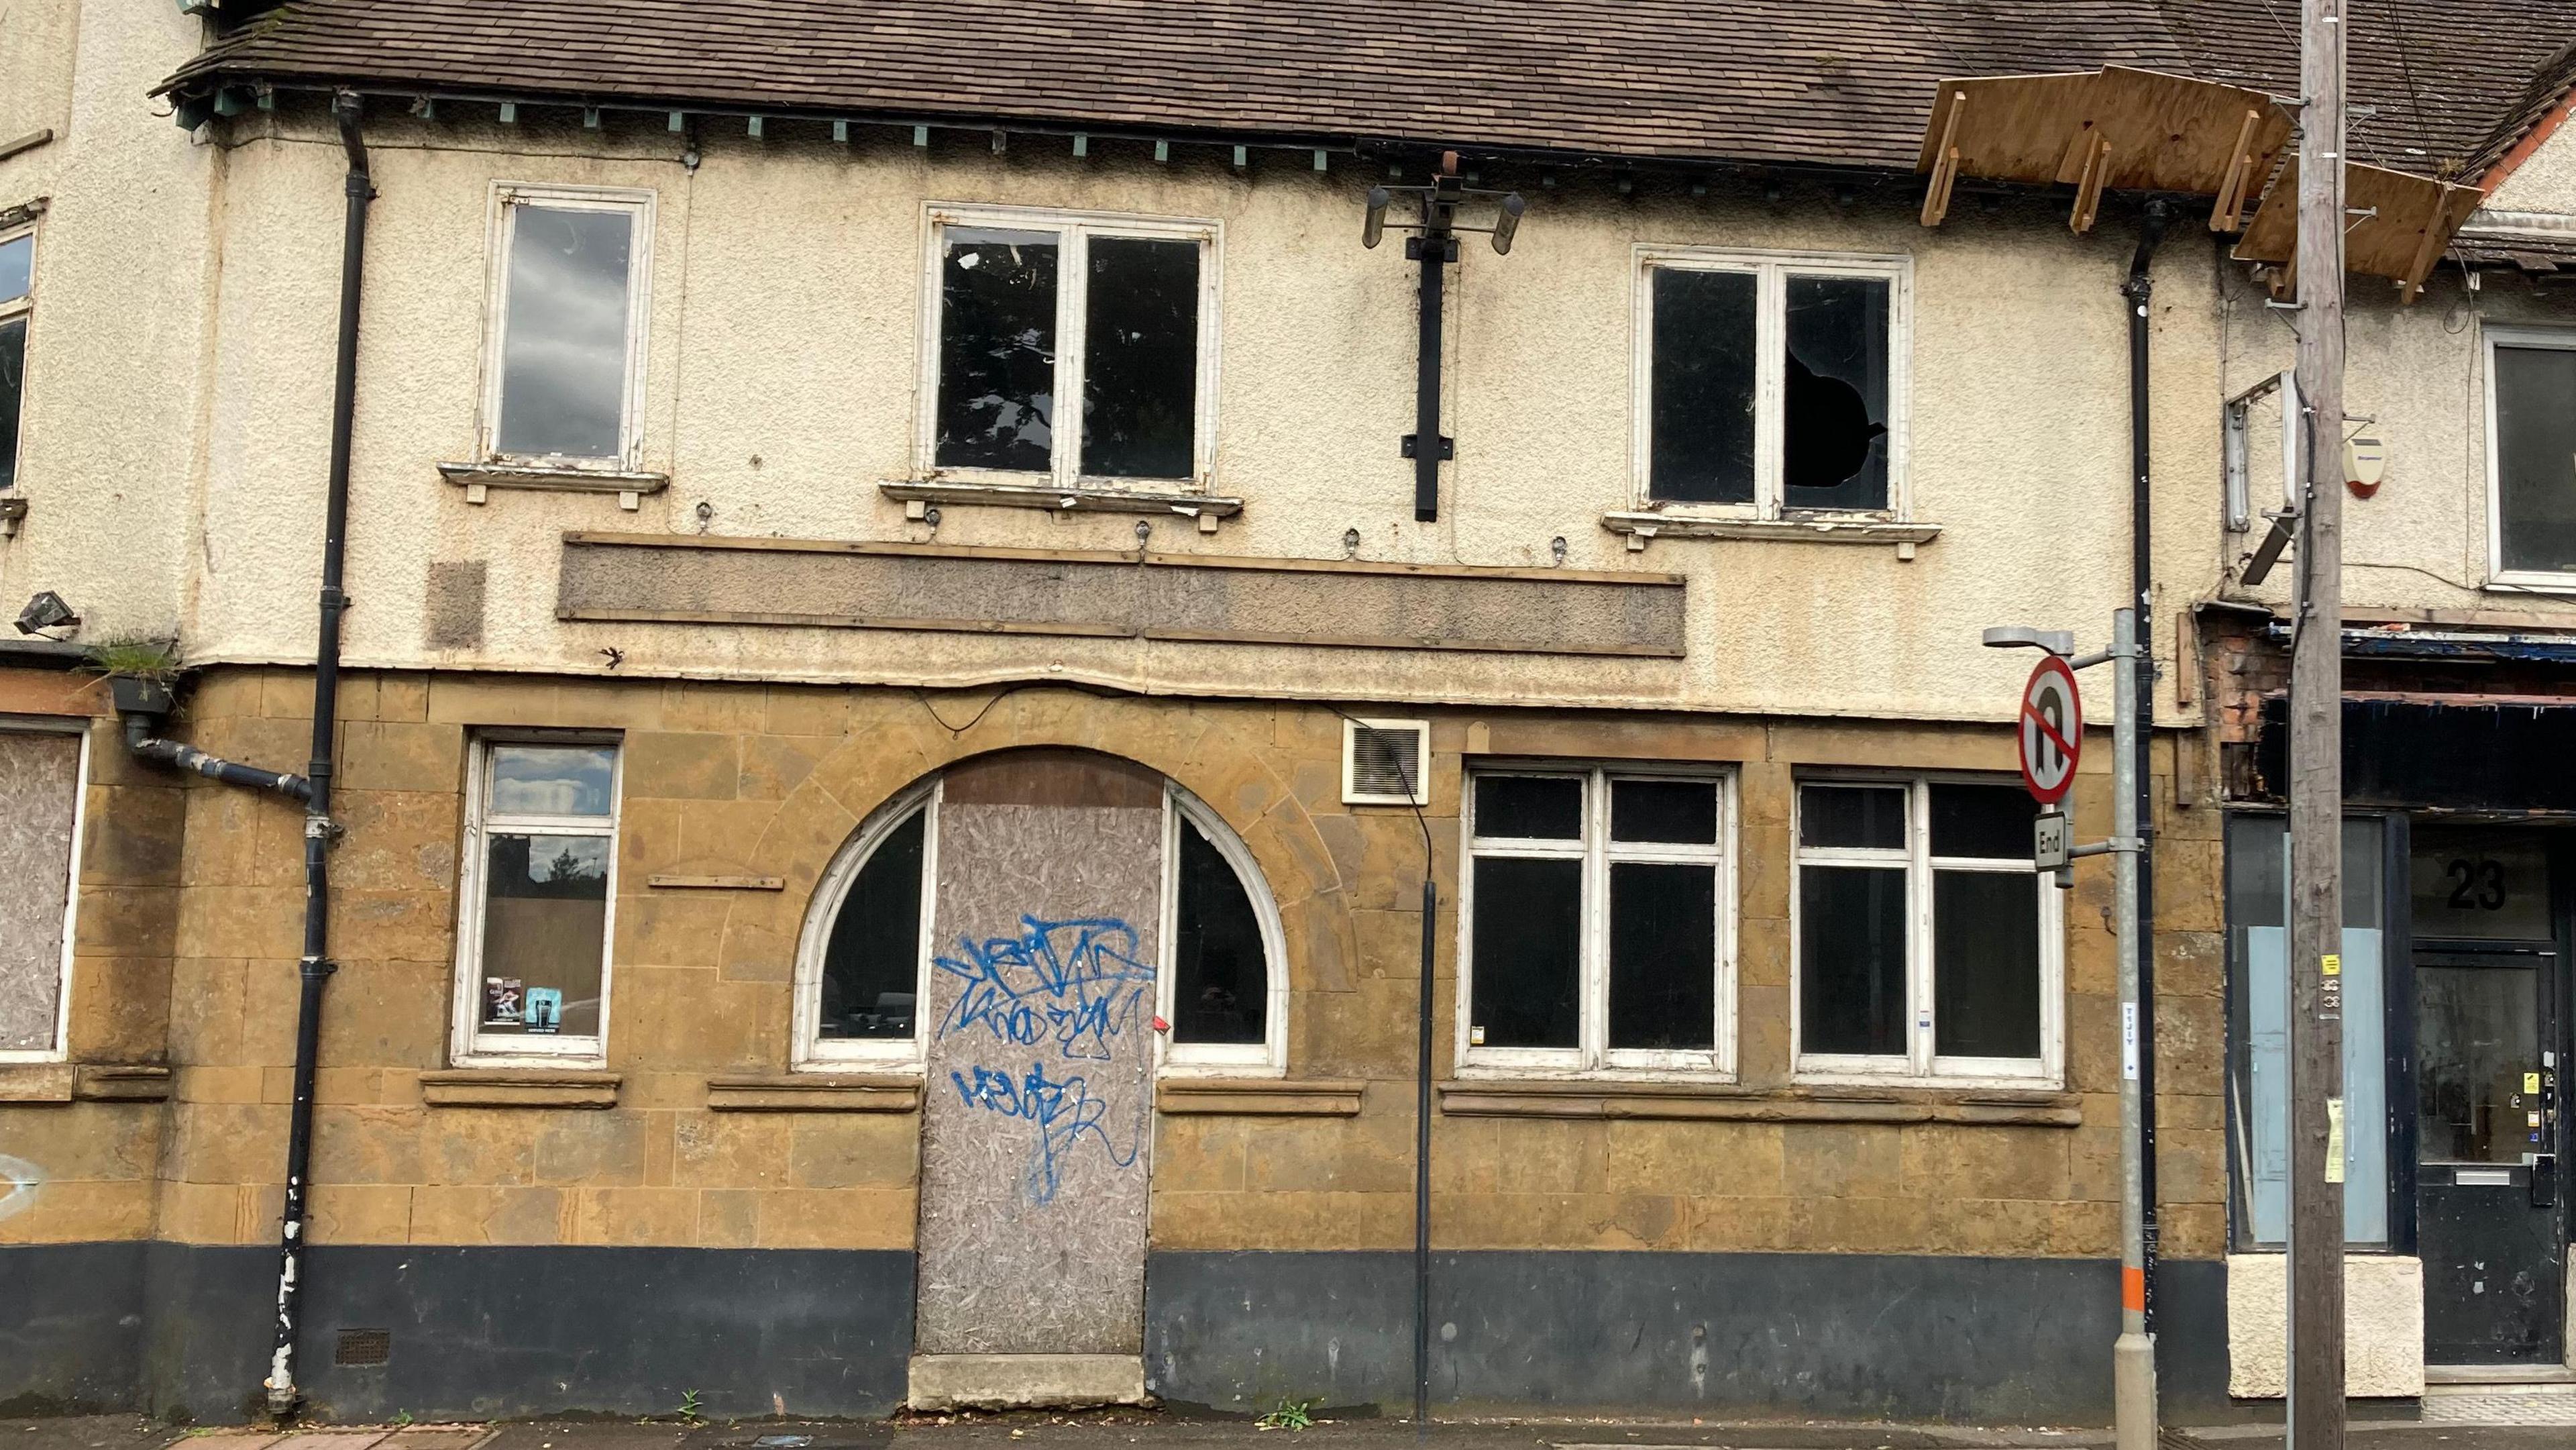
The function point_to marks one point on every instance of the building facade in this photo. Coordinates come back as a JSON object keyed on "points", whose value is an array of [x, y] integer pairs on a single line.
{"points": [[855, 880]]}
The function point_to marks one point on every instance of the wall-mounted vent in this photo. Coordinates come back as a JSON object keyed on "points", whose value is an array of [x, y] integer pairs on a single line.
{"points": [[1384, 761], [363, 1347]]}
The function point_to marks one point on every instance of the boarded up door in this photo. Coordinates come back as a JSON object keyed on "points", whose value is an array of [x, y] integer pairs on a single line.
{"points": [[1039, 1108], [39, 785]]}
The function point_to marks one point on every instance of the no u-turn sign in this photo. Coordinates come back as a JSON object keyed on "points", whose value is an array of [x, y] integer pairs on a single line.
{"points": [[2052, 730]]}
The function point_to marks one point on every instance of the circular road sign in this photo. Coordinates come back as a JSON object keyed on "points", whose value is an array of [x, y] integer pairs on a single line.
{"points": [[2052, 730]]}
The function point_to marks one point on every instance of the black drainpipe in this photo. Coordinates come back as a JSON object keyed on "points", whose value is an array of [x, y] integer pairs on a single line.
{"points": [[2140, 289], [317, 967]]}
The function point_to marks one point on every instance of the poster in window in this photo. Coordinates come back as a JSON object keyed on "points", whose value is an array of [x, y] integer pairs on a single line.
{"points": [[501, 1001], [545, 1009]]}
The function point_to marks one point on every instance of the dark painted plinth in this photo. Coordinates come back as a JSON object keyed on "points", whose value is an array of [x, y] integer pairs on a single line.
{"points": [[1912, 1337], [474, 1333]]}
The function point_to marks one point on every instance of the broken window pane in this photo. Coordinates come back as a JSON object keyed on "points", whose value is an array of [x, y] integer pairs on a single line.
{"points": [[1220, 976], [1529, 807], [1834, 423], [1851, 959], [2535, 414], [17, 261], [1526, 947], [872, 966], [1985, 963], [1141, 359], [545, 918], [1702, 421], [997, 341], [13, 381], [1663, 956], [563, 359]]}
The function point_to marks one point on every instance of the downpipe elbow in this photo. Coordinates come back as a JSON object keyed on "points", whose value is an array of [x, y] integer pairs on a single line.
{"points": [[172, 754]]}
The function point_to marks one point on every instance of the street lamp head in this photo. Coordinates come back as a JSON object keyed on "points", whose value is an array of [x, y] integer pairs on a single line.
{"points": [[1375, 226], [2022, 636]]}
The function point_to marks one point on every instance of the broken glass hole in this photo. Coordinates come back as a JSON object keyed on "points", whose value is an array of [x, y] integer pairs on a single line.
{"points": [[1834, 422]]}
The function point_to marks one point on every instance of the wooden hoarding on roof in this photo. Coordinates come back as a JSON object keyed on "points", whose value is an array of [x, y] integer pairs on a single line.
{"points": [[2399, 224], [2113, 129]]}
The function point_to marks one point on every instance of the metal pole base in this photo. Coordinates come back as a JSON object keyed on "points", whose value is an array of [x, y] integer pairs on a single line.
{"points": [[2133, 1390]]}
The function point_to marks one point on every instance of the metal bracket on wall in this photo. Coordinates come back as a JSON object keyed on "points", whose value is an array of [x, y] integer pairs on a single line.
{"points": [[1411, 446]]}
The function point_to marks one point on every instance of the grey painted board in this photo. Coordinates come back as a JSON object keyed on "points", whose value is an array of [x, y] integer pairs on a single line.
{"points": [[1038, 1115], [39, 788], [1163, 597], [70, 1341]]}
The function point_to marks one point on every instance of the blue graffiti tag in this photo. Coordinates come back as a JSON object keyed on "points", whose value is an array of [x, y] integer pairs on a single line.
{"points": [[1064, 1111], [1075, 983], [1078, 984]]}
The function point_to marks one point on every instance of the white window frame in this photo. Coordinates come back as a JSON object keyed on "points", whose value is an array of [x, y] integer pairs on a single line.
{"points": [[816, 1053], [1592, 1056], [2541, 581], [24, 307], [467, 1047], [1071, 319], [1772, 271], [638, 205], [41, 725], [1920, 1064], [1268, 1057]]}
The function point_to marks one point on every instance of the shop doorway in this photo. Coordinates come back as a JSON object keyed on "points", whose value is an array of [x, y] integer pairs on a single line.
{"points": [[2490, 994]]}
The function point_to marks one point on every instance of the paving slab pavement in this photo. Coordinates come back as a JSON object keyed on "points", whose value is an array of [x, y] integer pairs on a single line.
{"points": [[1150, 1430]]}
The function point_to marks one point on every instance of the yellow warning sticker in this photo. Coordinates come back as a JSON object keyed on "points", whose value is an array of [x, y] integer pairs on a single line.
{"points": [[2531, 1082], [2334, 966]]}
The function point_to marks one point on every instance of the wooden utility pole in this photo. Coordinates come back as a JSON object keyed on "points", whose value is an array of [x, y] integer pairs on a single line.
{"points": [[2317, 1129]]}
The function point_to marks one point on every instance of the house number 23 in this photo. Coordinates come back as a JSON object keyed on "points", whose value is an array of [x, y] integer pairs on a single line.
{"points": [[2476, 885]]}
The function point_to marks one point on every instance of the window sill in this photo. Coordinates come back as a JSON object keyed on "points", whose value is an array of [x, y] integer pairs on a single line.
{"points": [[499, 1087], [815, 1093], [1643, 528], [2528, 581], [1596, 1098], [918, 497], [20, 145], [1260, 1097], [85, 1082], [478, 479]]}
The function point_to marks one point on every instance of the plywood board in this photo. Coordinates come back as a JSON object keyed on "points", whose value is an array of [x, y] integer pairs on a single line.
{"points": [[39, 786], [2117, 129], [2409, 221], [1038, 1113]]}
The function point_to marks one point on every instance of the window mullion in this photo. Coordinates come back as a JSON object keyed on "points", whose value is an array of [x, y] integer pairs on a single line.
{"points": [[1770, 388], [1594, 1018], [1919, 959], [1072, 286]]}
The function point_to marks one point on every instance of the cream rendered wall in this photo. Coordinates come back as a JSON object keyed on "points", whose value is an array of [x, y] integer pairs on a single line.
{"points": [[782, 378], [2420, 373], [124, 267]]}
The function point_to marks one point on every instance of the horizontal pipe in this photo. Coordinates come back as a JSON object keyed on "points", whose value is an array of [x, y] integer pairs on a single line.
{"points": [[140, 740]]}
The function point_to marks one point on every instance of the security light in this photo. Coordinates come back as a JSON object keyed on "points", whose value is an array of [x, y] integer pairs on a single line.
{"points": [[1375, 226], [46, 611], [1507, 221]]}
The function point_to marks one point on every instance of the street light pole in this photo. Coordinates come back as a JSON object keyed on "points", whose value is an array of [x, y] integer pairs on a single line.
{"points": [[2316, 1310]]}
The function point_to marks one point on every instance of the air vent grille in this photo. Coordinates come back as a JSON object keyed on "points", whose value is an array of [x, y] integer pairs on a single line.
{"points": [[1383, 762], [363, 1347]]}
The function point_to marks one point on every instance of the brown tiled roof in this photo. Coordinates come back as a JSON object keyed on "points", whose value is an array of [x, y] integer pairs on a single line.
{"points": [[1817, 81], [2546, 92]]}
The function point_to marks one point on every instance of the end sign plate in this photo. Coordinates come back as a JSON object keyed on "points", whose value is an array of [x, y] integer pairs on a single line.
{"points": [[2052, 730]]}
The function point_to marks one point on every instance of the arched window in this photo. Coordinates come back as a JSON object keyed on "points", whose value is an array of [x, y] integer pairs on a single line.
{"points": [[862, 964]]}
